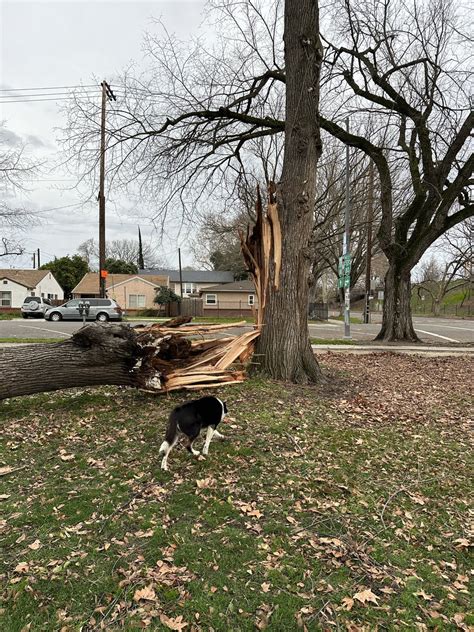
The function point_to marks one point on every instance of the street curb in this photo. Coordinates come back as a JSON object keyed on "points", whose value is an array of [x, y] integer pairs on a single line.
{"points": [[408, 350]]}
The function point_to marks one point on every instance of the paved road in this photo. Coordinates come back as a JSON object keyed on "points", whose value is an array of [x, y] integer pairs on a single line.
{"points": [[433, 331]]}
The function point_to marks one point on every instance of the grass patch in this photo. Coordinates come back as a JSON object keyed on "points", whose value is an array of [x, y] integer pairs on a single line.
{"points": [[354, 319], [9, 315], [31, 340], [322, 510], [332, 341]]}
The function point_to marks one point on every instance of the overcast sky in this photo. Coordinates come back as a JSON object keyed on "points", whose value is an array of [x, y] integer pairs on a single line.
{"points": [[66, 43]]}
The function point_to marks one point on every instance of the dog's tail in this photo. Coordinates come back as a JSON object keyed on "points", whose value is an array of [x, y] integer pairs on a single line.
{"points": [[170, 436]]}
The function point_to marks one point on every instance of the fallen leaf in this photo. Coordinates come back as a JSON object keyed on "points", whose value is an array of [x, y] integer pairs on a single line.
{"points": [[265, 587], [173, 624], [213, 589], [4, 496], [7, 469], [365, 596], [34, 546], [205, 482], [22, 567], [67, 457], [145, 594], [347, 603]]}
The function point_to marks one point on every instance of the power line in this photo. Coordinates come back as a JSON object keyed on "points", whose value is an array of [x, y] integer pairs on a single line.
{"points": [[46, 94], [36, 100], [90, 85]]}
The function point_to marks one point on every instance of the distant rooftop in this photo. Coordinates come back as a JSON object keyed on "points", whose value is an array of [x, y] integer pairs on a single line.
{"points": [[193, 276]]}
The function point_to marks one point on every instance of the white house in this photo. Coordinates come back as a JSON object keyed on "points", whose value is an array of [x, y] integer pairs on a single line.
{"points": [[16, 285]]}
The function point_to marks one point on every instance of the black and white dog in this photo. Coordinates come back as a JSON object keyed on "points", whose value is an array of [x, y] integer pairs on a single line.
{"points": [[188, 420]]}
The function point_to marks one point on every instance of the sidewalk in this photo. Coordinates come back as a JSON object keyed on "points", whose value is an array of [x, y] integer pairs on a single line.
{"points": [[406, 349]]}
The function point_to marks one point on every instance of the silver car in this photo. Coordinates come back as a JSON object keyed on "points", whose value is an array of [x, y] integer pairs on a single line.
{"points": [[101, 309], [35, 307]]}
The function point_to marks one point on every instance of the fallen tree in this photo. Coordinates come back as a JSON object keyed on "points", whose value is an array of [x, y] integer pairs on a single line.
{"points": [[159, 358]]}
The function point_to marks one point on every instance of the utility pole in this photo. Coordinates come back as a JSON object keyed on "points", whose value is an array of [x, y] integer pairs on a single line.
{"points": [[34, 260], [370, 219], [346, 250], [180, 280], [106, 94], [39, 260], [141, 261]]}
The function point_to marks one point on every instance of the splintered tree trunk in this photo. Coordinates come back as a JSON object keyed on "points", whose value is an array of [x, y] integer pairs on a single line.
{"points": [[397, 324], [284, 345], [95, 355]]}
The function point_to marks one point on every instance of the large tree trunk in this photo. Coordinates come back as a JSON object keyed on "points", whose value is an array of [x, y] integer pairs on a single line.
{"points": [[284, 345], [158, 358], [397, 324], [95, 355]]}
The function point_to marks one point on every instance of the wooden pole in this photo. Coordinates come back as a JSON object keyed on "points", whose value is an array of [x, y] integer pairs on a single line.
{"points": [[102, 195], [370, 219]]}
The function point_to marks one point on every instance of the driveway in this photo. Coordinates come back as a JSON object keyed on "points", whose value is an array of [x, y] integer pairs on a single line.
{"points": [[434, 331]]}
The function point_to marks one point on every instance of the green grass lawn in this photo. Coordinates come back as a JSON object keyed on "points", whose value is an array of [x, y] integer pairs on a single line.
{"points": [[9, 315], [332, 341], [31, 340], [326, 508], [354, 319]]}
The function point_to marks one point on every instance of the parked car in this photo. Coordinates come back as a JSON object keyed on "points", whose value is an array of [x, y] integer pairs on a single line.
{"points": [[35, 306], [101, 309]]}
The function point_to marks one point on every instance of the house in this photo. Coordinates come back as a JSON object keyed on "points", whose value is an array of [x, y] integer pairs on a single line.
{"points": [[194, 281], [16, 285], [131, 291], [230, 299]]}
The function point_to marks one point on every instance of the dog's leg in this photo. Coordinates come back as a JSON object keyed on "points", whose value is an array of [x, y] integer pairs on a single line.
{"points": [[167, 449], [218, 435], [189, 445], [210, 432]]}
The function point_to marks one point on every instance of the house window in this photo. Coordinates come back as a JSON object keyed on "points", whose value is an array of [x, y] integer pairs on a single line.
{"points": [[6, 299], [32, 294], [42, 294], [136, 300], [211, 299], [5, 282], [189, 288], [251, 300]]}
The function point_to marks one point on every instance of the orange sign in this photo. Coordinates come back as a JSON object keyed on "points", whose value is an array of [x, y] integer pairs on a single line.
{"points": [[103, 274]]}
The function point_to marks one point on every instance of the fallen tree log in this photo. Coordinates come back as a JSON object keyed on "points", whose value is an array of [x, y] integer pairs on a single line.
{"points": [[157, 358]]}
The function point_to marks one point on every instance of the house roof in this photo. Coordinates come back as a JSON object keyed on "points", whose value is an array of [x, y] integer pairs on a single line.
{"points": [[27, 278], [89, 284], [194, 276], [236, 286]]}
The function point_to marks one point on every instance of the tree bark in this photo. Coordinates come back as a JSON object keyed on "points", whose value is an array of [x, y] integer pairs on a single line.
{"points": [[97, 354], [397, 321], [284, 347]]}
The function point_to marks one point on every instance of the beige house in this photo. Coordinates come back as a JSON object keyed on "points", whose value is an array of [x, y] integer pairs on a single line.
{"points": [[194, 281], [230, 299], [131, 291]]}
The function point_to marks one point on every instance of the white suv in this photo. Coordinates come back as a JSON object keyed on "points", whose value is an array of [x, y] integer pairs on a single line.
{"points": [[35, 306]]}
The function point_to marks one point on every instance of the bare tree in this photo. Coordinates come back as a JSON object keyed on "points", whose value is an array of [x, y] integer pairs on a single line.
{"points": [[190, 120], [329, 214], [127, 250], [453, 273], [15, 169], [406, 67]]}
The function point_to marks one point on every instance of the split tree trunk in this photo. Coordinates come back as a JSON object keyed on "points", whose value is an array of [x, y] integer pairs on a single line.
{"points": [[284, 347], [157, 358], [397, 323]]}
